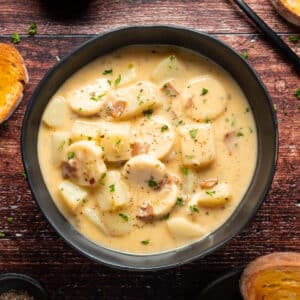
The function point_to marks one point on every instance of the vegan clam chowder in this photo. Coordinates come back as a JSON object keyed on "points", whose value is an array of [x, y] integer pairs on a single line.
{"points": [[148, 148]]}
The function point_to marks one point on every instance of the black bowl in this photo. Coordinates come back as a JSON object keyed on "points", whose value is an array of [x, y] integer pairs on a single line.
{"points": [[20, 282], [205, 45]]}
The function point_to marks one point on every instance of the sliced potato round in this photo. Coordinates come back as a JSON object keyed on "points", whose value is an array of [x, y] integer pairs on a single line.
{"points": [[128, 102], [156, 132], [204, 98], [159, 203], [85, 164], [182, 229], [144, 170], [116, 224], [89, 100]]}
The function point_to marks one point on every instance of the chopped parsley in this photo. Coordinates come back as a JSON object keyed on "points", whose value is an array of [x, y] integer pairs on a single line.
{"points": [[184, 170], [106, 72], [70, 155], [109, 81], [112, 188], [245, 55], [15, 38], [190, 156], [239, 134], [194, 208], [89, 138], [2, 234], [10, 219], [164, 128], [193, 133], [61, 146], [293, 39], [124, 217], [118, 80], [166, 217], [297, 93], [118, 141], [179, 122], [210, 193], [148, 113], [179, 201], [145, 242], [97, 98], [32, 29], [204, 91], [101, 181], [247, 109], [207, 120], [24, 175], [152, 183]]}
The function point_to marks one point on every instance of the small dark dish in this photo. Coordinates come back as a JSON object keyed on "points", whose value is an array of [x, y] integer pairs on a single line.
{"points": [[227, 284], [204, 44], [20, 282]]}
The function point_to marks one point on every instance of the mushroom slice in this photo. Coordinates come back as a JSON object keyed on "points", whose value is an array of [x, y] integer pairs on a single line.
{"points": [[204, 98], [215, 197], [128, 102], [89, 99], [113, 193], [158, 133], [159, 203], [182, 229], [145, 170], [84, 164]]}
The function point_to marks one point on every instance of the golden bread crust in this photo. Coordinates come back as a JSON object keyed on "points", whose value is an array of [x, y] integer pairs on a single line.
{"points": [[13, 77], [287, 11], [265, 276]]}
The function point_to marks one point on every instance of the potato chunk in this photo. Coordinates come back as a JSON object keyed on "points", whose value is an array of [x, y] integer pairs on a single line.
{"points": [[113, 194], [117, 225], [169, 68], [56, 112], [93, 216], [182, 229], [197, 145], [72, 194], [128, 102], [214, 197], [204, 98], [59, 144], [82, 130], [115, 138]]}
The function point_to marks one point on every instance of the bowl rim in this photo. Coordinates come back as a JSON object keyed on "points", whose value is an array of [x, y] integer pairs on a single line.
{"points": [[211, 249]]}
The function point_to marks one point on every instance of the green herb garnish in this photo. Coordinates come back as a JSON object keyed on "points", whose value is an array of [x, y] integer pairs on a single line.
{"points": [[145, 242], [118, 80], [2, 234], [70, 155], [10, 219], [106, 72], [148, 112], [184, 170], [179, 201], [164, 128], [204, 91], [32, 29], [193, 133], [194, 208], [112, 188], [124, 217], [297, 93], [293, 39], [210, 193], [15, 38], [239, 134], [152, 183], [245, 55]]}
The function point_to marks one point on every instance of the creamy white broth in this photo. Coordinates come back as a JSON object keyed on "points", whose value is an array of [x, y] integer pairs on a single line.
{"points": [[232, 129]]}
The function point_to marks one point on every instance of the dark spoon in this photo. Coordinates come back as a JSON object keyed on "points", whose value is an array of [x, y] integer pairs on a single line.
{"points": [[270, 34]]}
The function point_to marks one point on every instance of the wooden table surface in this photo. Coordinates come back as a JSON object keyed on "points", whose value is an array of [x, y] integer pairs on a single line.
{"points": [[31, 246]]}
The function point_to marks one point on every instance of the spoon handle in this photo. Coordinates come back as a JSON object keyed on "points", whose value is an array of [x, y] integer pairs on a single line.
{"points": [[270, 34]]}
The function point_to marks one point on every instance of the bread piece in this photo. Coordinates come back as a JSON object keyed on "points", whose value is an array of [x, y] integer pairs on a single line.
{"points": [[288, 9], [272, 277], [13, 77]]}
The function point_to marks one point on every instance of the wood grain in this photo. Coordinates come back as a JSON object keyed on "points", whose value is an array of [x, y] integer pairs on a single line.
{"points": [[31, 246], [84, 16]]}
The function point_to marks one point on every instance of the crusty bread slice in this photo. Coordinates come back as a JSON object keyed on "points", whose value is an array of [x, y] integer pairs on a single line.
{"points": [[272, 277], [288, 9], [13, 77]]}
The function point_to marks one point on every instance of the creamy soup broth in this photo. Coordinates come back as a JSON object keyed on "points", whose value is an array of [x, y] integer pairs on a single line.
{"points": [[148, 148]]}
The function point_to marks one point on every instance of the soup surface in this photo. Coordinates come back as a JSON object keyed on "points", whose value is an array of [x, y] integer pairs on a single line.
{"points": [[148, 148]]}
